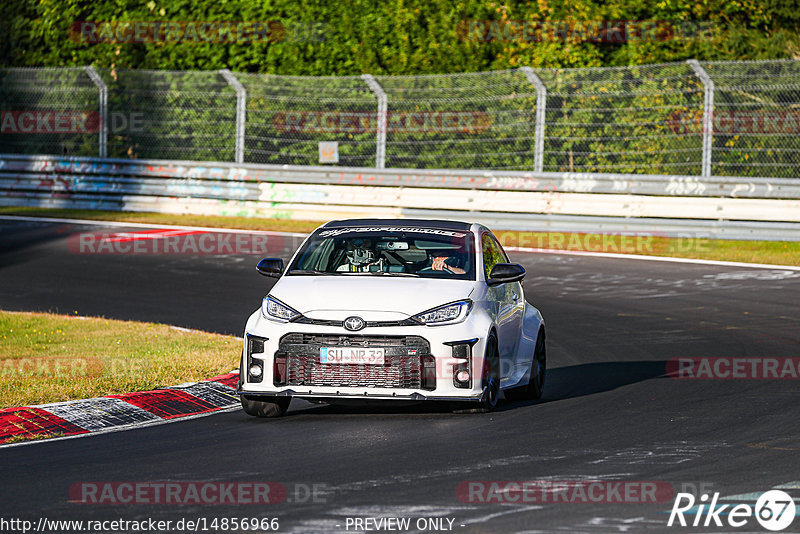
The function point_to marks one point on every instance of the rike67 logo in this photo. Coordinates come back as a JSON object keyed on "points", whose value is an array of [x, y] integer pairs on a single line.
{"points": [[774, 510]]}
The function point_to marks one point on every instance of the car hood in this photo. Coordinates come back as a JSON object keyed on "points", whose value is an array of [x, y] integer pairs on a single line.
{"points": [[372, 297]]}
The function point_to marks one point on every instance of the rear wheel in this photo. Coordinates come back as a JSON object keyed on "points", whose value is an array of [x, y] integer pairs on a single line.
{"points": [[490, 376], [265, 406]]}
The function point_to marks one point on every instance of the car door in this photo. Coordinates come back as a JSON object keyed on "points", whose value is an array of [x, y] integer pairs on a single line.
{"points": [[517, 296], [509, 303]]}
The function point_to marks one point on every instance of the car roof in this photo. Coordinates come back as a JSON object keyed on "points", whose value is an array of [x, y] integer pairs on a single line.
{"points": [[410, 223]]}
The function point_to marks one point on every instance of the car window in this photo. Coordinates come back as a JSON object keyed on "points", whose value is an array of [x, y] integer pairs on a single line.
{"points": [[400, 251], [492, 253]]}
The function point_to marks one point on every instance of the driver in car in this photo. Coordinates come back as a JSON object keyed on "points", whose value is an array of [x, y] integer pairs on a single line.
{"points": [[360, 256], [447, 263]]}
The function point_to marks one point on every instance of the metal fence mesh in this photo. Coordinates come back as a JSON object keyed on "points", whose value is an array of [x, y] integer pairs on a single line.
{"points": [[287, 116], [48, 111], [644, 119], [170, 115], [625, 120], [463, 121], [756, 119]]}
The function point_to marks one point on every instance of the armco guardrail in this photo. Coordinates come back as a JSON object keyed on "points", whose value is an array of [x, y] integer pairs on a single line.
{"points": [[740, 208]]}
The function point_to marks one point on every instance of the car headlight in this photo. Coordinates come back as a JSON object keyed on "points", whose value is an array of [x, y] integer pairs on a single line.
{"points": [[455, 312], [272, 308]]}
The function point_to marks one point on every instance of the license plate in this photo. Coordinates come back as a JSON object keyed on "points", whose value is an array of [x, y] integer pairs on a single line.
{"points": [[351, 355]]}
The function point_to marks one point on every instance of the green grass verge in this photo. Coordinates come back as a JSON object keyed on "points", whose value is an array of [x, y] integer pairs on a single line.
{"points": [[772, 252], [50, 358]]}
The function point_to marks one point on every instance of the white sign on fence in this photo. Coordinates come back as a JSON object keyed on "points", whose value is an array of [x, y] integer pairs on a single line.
{"points": [[328, 152]]}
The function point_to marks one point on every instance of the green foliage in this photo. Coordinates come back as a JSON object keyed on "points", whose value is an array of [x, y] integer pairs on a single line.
{"points": [[397, 37]]}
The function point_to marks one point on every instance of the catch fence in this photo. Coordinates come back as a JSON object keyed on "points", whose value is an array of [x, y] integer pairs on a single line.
{"points": [[688, 118]]}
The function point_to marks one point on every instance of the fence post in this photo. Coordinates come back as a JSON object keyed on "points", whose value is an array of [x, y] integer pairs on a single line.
{"points": [[241, 101], [708, 114], [101, 85], [541, 110], [380, 151]]}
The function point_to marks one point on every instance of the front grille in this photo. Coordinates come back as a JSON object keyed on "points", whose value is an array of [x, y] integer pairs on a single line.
{"points": [[403, 367]]}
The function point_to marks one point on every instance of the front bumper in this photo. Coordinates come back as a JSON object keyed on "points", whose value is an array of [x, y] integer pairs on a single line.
{"points": [[355, 395], [439, 350]]}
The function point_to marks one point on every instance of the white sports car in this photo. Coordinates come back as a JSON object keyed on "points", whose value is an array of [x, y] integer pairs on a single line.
{"points": [[393, 309]]}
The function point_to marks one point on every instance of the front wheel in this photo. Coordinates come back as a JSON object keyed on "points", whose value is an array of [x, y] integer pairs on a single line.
{"points": [[490, 377], [539, 365], [265, 406], [538, 371]]}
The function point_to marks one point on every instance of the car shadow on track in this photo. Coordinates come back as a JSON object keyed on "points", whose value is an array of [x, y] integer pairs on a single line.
{"points": [[373, 408], [18, 239], [562, 383], [592, 378]]}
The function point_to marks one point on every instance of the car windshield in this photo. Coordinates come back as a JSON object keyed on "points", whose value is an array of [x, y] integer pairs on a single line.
{"points": [[387, 251]]}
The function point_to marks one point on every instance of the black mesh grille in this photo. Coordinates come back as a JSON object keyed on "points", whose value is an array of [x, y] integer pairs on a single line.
{"points": [[402, 369]]}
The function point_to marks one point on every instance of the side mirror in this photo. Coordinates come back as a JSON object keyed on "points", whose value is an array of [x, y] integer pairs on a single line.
{"points": [[503, 273], [272, 267]]}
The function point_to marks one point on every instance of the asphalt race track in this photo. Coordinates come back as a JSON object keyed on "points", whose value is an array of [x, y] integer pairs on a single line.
{"points": [[609, 412]]}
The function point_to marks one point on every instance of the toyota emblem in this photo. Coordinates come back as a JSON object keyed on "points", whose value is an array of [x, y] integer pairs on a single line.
{"points": [[354, 323]]}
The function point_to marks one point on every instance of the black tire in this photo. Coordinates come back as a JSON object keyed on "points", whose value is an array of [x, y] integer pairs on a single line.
{"points": [[535, 386], [539, 364], [242, 370], [265, 406], [490, 377]]}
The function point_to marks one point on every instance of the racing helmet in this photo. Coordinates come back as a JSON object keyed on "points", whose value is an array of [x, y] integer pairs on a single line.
{"points": [[360, 252]]}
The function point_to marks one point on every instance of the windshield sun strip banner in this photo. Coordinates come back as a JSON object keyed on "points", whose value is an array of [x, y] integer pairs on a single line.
{"points": [[390, 229]]}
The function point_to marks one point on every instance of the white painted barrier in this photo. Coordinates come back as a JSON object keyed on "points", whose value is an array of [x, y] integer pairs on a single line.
{"points": [[744, 208]]}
